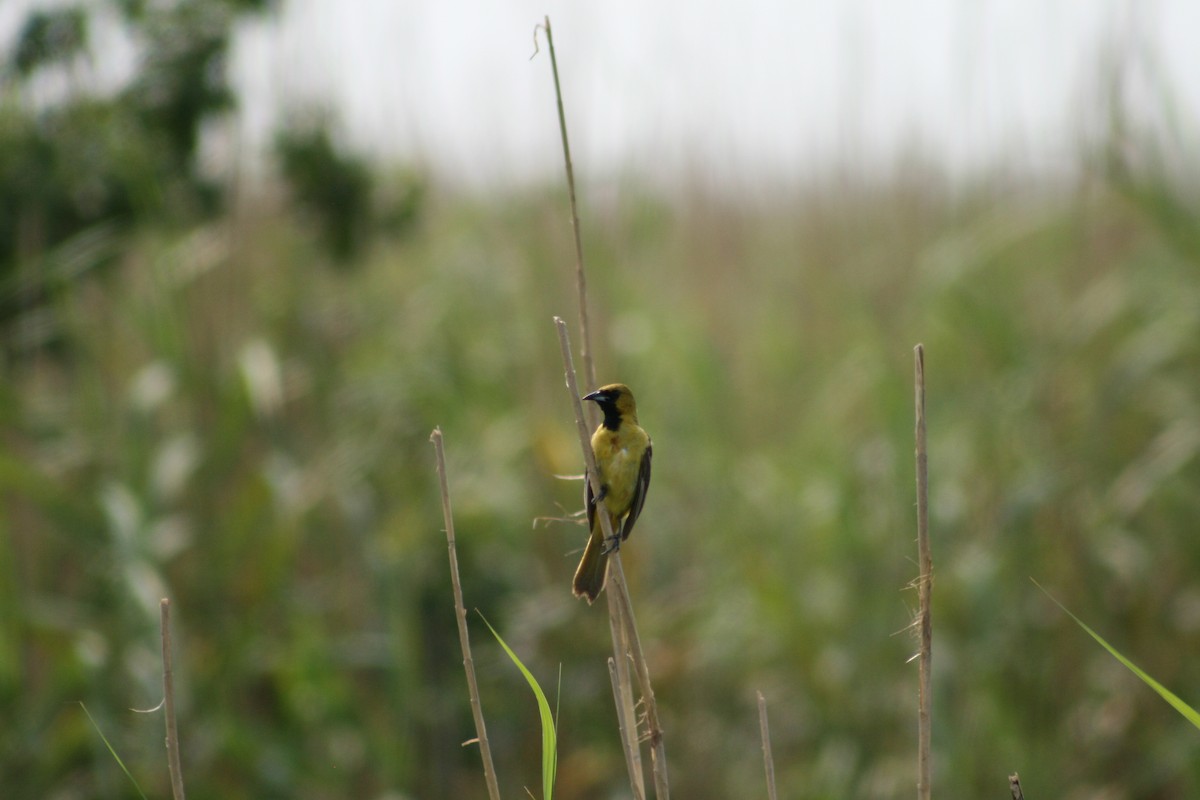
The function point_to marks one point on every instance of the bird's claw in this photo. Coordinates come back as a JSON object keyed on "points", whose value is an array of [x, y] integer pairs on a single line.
{"points": [[612, 544]]}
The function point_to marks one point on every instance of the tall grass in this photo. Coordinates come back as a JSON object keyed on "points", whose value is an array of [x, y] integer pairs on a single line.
{"points": [[234, 425]]}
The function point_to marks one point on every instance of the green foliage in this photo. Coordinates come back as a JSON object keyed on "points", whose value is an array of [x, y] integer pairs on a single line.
{"points": [[86, 160], [49, 37], [254, 446], [332, 186], [113, 752], [1186, 711], [182, 78], [62, 175], [549, 727], [338, 191]]}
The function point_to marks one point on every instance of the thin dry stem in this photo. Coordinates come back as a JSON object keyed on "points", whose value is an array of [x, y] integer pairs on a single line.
{"points": [[654, 733], [616, 585], [173, 762], [924, 589], [617, 624], [619, 632], [589, 366], [1014, 786], [464, 639], [768, 762], [633, 758], [621, 623]]}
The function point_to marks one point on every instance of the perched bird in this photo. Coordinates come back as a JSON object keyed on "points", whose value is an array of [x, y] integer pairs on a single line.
{"points": [[622, 452]]}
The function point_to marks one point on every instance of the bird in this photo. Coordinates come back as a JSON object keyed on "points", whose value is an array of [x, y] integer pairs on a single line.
{"points": [[623, 452]]}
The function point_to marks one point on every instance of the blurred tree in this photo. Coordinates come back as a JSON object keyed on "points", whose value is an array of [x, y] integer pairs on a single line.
{"points": [[49, 37], [85, 159], [338, 189], [332, 186]]}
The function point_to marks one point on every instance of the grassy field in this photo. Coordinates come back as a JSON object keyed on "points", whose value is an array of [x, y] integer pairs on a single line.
{"points": [[228, 419]]}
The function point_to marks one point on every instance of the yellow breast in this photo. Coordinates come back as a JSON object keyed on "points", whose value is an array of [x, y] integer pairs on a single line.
{"points": [[619, 459]]}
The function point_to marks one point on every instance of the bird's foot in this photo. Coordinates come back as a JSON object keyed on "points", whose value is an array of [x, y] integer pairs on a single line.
{"points": [[612, 544]]}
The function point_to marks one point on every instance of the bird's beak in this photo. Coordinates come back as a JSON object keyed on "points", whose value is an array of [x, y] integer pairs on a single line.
{"points": [[596, 396]]}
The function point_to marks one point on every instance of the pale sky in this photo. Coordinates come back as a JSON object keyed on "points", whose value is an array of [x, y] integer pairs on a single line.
{"points": [[779, 88]]}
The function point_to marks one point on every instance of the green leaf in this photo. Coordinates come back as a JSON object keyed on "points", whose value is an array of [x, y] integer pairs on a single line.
{"points": [[1166, 694], [116, 757], [549, 732]]}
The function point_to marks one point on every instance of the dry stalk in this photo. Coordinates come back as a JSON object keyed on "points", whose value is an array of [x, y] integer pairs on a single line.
{"points": [[626, 644], [616, 584], [485, 750], [628, 728], [654, 733], [173, 762], [626, 714], [924, 588], [589, 366], [618, 626], [768, 762]]}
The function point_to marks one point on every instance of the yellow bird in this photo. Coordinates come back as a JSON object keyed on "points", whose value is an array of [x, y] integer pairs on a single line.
{"points": [[622, 452]]}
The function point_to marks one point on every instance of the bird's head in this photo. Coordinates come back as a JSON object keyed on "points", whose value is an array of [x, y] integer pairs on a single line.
{"points": [[616, 403]]}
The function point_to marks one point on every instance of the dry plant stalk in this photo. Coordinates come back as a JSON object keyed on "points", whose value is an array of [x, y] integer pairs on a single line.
{"points": [[618, 591], [623, 691], [768, 762], [618, 624], [924, 588], [173, 762], [485, 750], [628, 730], [589, 366], [654, 734], [1014, 786]]}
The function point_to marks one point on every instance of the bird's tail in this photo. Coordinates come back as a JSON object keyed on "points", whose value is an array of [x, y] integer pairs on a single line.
{"points": [[593, 568]]}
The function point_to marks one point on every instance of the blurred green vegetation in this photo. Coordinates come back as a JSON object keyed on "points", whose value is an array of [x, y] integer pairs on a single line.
{"points": [[222, 417], [81, 161], [234, 425], [336, 190]]}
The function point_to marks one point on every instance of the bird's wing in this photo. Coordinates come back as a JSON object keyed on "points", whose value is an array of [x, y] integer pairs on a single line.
{"points": [[588, 502], [639, 493]]}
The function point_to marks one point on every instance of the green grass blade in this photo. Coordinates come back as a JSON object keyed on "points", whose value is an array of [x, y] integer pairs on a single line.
{"points": [[1166, 694], [549, 727], [116, 757]]}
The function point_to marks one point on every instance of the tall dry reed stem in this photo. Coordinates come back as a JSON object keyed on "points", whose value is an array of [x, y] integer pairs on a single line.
{"points": [[617, 589], [627, 726], [924, 588], [623, 693], [464, 639], [768, 761], [173, 761], [618, 624], [589, 365]]}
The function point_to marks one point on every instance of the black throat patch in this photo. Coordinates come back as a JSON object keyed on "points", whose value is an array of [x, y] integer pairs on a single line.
{"points": [[612, 417]]}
